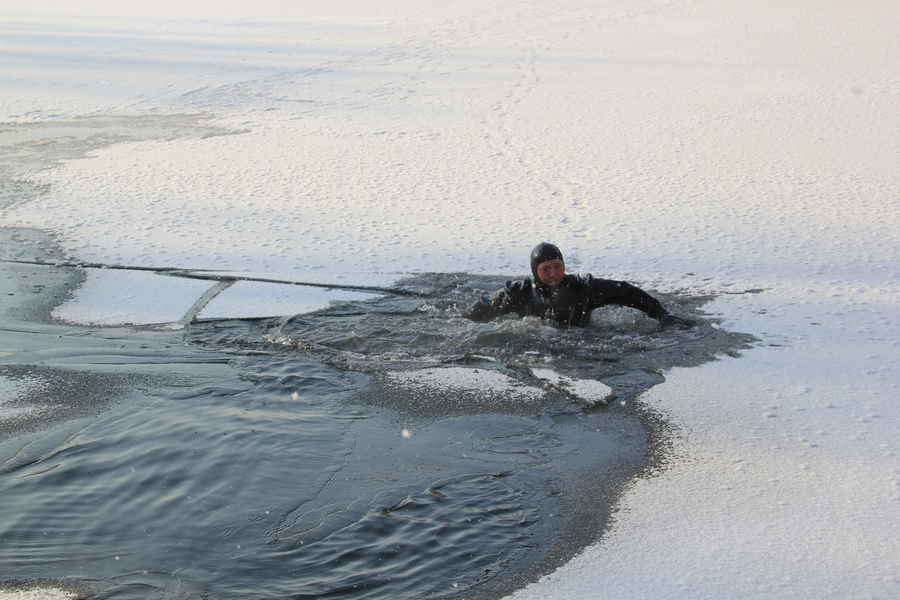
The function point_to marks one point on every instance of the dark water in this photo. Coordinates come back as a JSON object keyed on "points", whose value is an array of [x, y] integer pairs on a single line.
{"points": [[304, 457]]}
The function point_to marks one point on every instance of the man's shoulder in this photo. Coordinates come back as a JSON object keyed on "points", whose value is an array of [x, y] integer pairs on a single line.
{"points": [[579, 279], [594, 285]]}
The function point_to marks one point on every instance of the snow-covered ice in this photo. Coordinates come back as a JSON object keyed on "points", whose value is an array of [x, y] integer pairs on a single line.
{"points": [[480, 381], [588, 391], [683, 145]]}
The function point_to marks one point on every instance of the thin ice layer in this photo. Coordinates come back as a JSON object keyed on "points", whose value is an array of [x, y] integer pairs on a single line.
{"points": [[118, 297], [247, 299]]}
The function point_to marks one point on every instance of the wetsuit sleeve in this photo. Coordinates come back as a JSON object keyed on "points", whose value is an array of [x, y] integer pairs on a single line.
{"points": [[622, 293], [513, 298]]}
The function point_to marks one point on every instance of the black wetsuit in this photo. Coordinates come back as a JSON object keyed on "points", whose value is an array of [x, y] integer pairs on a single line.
{"points": [[569, 303]]}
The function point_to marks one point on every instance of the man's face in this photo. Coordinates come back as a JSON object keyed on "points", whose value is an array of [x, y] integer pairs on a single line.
{"points": [[551, 272]]}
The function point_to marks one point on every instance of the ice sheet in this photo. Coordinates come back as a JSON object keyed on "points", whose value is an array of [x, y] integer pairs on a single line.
{"points": [[116, 297], [253, 299], [480, 381], [588, 391]]}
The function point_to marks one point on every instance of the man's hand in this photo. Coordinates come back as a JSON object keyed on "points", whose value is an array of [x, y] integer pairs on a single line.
{"points": [[481, 310], [518, 290]]}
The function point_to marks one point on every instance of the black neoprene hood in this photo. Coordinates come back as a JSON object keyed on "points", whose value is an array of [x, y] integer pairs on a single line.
{"points": [[542, 253]]}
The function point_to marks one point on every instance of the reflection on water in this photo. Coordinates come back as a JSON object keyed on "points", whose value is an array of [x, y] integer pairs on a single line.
{"points": [[377, 449]]}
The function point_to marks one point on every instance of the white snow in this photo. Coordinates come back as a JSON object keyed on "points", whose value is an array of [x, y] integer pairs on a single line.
{"points": [[683, 145]]}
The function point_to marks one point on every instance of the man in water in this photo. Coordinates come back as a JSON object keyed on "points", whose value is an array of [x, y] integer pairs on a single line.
{"points": [[566, 299]]}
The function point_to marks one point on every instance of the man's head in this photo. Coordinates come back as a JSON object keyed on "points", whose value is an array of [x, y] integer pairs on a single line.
{"points": [[547, 264]]}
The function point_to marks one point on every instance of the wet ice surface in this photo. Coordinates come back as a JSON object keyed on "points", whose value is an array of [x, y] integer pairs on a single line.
{"points": [[33, 396], [12, 391], [254, 299], [130, 298], [30, 591]]}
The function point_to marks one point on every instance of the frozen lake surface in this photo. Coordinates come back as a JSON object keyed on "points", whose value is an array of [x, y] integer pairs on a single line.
{"points": [[741, 153]]}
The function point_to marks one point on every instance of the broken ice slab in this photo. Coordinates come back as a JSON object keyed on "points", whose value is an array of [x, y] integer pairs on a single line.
{"points": [[464, 379], [120, 297], [249, 299], [587, 391]]}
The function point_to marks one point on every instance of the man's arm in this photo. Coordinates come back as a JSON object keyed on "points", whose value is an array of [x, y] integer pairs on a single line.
{"points": [[608, 291], [622, 293]]}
